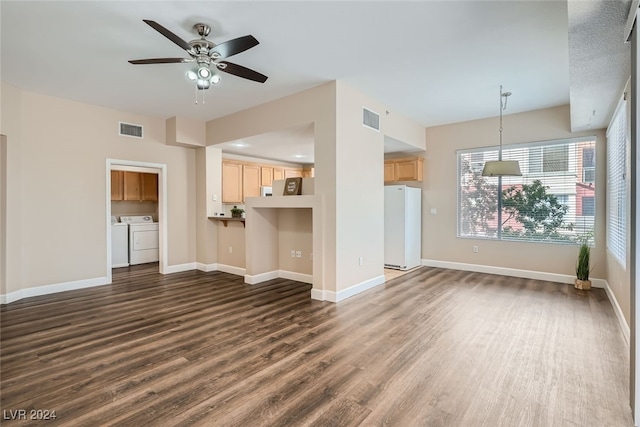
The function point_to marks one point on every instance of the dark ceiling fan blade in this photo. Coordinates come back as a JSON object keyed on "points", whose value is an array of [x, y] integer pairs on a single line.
{"points": [[160, 61], [168, 34], [235, 46], [240, 71]]}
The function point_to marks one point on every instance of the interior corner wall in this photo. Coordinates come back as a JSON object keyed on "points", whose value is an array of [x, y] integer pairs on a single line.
{"points": [[295, 233], [439, 241], [56, 190]]}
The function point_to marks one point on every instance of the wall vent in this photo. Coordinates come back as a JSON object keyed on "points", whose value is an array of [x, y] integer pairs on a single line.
{"points": [[370, 119], [129, 129]]}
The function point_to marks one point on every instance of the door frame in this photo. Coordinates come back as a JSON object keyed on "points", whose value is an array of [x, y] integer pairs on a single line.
{"points": [[161, 170]]}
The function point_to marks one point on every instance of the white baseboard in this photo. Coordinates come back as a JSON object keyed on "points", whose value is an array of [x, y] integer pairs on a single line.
{"points": [[262, 277], [626, 331], [238, 271], [120, 265], [206, 267], [179, 268], [537, 275], [513, 272], [52, 289], [349, 292], [298, 277]]}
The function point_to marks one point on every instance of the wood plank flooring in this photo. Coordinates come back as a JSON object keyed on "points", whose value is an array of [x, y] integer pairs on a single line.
{"points": [[433, 347]]}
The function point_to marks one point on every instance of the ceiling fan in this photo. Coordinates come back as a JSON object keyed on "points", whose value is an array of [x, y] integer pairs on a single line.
{"points": [[207, 55]]}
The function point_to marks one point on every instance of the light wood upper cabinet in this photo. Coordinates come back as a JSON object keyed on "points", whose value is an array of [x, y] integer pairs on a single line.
{"points": [[231, 182], [405, 169], [278, 173], [117, 185], [308, 172], [251, 178], [131, 186], [293, 173], [266, 175], [389, 172], [149, 187]]}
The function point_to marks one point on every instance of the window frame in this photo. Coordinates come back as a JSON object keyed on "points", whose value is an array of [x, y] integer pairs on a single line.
{"points": [[506, 147]]}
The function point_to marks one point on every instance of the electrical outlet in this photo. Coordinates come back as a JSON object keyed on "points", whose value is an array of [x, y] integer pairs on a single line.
{"points": [[293, 253], [475, 249], [433, 211], [230, 249], [298, 254], [360, 261], [214, 197]]}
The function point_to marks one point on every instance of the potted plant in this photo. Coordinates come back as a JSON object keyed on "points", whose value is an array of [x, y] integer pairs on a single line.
{"points": [[582, 267], [236, 212]]}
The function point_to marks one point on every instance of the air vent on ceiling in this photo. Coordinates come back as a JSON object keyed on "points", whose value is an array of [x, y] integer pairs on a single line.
{"points": [[370, 119], [129, 129]]}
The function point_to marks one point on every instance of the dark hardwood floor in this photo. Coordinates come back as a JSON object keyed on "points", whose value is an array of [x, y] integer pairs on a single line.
{"points": [[435, 347]]}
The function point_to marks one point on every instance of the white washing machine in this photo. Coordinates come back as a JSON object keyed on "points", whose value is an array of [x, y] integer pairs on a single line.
{"points": [[143, 239], [119, 244]]}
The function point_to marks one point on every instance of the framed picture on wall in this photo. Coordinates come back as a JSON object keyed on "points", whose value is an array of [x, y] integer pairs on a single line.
{"points": [[292, 186]]}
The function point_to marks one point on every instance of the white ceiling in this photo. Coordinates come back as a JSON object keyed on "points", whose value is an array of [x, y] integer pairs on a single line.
{"points": [[436, 62]]}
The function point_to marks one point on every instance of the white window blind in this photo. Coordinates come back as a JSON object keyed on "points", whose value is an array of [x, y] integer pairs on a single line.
{"points": [[617, 182], [553, 201]]}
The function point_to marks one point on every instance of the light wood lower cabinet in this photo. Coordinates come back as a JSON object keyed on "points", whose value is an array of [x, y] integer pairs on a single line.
{"points": [[405, 169]]}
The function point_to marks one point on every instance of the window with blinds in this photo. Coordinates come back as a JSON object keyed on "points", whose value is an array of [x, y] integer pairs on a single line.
{"points": [[617, 183], [553, 201]]}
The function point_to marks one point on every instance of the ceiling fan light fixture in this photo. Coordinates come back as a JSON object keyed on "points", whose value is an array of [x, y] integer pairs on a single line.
{"points": [[191, 75], [204, 73], [215, 79], [202, 84]]}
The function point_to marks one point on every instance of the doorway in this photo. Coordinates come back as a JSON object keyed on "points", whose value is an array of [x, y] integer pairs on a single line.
{"points": [[144, 168]]}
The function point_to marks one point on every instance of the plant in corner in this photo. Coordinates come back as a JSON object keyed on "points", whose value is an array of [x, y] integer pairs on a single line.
{"points": [[582, 267], [236, 212]]}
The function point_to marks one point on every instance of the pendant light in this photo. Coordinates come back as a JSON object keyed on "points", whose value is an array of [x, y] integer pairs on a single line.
{"points": [[502, 167]]}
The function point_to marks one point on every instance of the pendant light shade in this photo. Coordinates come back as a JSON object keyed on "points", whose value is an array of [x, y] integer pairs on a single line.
{"points": [[502, 167]]}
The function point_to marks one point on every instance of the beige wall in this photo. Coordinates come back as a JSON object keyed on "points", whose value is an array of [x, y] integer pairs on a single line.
{"points": [[57, 191], [295, 231], [440, 190], [230, 236]]}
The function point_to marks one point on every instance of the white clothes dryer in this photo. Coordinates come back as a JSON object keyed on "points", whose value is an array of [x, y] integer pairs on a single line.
{"points": [[143, 239]]}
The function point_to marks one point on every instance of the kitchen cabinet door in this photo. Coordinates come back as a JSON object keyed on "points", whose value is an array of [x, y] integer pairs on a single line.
{"points": [[266, 175], [149, 187], [389, 172], [409, 169], [307, 173], [117, 185], [131, 185], [231, 182], [250, 181], [278, 173], [293, 173]]}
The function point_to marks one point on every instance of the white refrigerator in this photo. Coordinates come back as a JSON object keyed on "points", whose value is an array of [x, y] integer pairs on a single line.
{"points": [[402, 227]]}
